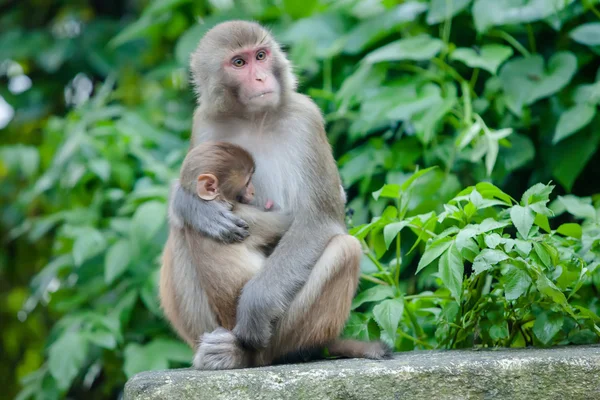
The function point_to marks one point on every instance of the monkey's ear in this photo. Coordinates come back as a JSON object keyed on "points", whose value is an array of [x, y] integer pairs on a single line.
{"points": [[207, 186]]}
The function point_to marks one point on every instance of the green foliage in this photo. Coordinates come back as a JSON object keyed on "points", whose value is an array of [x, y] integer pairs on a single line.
{"points": [[422, 98]]}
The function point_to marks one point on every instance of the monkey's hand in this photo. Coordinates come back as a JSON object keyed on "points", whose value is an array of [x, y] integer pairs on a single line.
{"points": [[253, 327], [210, 218]]}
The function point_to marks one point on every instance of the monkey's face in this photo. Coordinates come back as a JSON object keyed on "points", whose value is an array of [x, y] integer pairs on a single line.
{"points": [[247, 193], [251, 71]]}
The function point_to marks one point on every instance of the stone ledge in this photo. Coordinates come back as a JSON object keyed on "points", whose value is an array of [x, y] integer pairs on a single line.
{"points": [[570, 373]]}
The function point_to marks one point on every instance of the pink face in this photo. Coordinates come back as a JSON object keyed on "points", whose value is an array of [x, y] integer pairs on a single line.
{"points": [[252, 69]]}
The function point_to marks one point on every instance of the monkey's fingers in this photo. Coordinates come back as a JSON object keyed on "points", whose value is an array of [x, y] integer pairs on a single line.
{"points": [[232, 228]]}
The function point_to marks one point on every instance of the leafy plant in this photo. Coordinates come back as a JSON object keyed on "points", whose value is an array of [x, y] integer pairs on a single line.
{"points": [[422, 98], [503, 277]]}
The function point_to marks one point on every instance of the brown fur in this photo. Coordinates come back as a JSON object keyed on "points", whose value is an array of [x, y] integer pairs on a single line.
{"points": [[300, 299]]}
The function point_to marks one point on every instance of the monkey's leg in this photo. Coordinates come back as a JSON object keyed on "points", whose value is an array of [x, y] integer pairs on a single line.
{"points": [[314, 320], [319, 312]]}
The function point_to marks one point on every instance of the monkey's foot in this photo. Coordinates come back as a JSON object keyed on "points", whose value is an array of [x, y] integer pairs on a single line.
{"points": [[220, 350]]}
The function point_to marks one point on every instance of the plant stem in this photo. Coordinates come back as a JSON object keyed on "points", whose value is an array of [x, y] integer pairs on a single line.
{"points": [[413, 320], [373, 279], [512, 41], [427, 296], [417, 341], [531, 38]]}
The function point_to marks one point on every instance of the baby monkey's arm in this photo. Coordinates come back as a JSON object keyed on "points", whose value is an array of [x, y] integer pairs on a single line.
{"points": [[266, 227]]}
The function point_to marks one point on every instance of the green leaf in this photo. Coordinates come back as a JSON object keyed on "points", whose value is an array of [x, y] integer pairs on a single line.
{"points": [[417, 48], [487, 259], [147, 220], [526, 80], [371, 30], [433, 251], [522, 218], [488, 13], [542, 221], [374, 294], [298, 9], [543, 254], [570, 158], [440, 10], [524, 247], [547, 325], [391, 231], [492, 240], [572, 120], [89, 244], [357, 327], [489, 57], [570, 229], [578, 207], [103, 339], [499, 330], [117, 260], [390, 191], [387, 314], [546, 287], [66, 358], [409, 182], [516, 283], [587, 34], [451, 271]]}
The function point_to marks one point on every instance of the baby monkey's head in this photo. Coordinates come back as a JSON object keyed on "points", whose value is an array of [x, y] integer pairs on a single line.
{"points": [[219, 170]]}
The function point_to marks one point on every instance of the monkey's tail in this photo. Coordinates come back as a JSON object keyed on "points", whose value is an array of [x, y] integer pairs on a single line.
{"points": [[348, 348], [220, 349]]}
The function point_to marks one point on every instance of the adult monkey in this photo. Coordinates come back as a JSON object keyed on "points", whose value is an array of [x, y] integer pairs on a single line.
{"points": [[301, 298]]}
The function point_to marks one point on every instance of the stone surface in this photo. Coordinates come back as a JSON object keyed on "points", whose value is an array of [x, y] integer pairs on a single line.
{"points": [[562, 373]]}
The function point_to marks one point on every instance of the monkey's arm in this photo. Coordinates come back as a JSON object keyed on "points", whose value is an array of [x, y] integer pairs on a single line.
{"points": [[211, 218], [319, 216], [266, 227]]}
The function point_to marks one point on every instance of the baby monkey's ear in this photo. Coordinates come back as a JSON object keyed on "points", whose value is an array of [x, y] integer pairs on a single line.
{"points": [[207, 186]]}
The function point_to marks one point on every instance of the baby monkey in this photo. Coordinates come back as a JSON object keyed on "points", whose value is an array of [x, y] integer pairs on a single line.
{"points": [[216, 171]]}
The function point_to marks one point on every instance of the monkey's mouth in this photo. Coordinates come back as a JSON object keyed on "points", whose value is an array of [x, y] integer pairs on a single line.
{"points": [[261, 94]]}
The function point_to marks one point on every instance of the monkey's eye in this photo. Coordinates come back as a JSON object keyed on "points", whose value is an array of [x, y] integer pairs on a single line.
{"points": [[261, 55], [238, 62]]}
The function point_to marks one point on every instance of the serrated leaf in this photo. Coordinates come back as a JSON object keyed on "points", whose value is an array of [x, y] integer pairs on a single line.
{"points": [[433, 251], [374, 294], [516, 283], [522, 218], [66, 358], [117, 260], [572, 120], [387, 314], [570, 229], [417, 48], [487, 259], [587, 34], [451, 271], [547, 325], [489, 57]]}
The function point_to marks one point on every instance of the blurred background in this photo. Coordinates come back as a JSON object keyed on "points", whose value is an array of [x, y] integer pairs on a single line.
{"points": [[95, 115]]}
